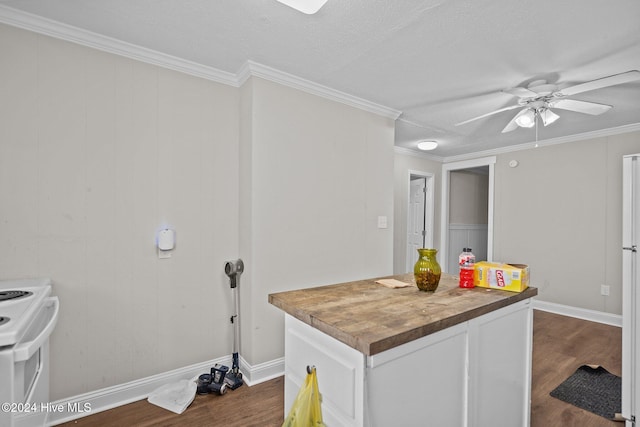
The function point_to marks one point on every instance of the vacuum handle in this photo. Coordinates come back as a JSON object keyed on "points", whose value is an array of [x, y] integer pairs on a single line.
{"points": [[234, 269]]}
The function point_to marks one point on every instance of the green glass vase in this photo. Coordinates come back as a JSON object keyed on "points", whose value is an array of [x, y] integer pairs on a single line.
{"points": [[427, 270]]}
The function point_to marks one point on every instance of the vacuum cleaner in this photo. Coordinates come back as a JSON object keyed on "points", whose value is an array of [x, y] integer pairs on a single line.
{"points": [[178, 396], [234, 269]]}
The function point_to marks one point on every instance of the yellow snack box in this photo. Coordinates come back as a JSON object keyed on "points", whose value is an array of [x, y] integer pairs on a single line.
{"points": [[507, 277]]}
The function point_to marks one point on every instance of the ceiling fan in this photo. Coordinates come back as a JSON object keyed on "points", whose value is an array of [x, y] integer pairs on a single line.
{"points": [[537, 99]]}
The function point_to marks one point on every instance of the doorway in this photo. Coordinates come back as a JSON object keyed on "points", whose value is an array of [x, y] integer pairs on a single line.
{"points": [[420, 215], [449, 247]]}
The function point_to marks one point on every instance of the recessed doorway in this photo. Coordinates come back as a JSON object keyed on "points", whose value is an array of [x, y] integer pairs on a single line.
{"points": [[453, 234]]}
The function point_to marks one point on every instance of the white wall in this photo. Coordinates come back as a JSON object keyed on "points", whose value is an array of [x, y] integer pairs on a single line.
{"points": [[469, 203], [321, 174], [560, 211], [96, 153]]}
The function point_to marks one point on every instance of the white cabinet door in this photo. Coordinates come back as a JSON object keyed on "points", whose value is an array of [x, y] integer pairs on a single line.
{"points": [[422, 383], [339, 369], [500, 367]]}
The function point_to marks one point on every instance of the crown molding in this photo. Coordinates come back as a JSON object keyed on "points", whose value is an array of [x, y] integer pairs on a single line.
{"points": [[520, 147], [254, 69], [58, 30], [419, 154], [48, 27], [600, 133]]}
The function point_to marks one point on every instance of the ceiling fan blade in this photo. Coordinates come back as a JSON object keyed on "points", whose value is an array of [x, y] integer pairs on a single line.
{"points": [[511, 107], [581, 106], [548, 116], [613, 80], [521, 92], [512, 125]]}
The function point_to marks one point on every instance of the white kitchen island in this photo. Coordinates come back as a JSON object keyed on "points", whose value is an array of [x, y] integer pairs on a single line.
{"points": [[403, 357]]}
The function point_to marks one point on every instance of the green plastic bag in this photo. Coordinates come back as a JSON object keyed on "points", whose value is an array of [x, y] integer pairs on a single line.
{"points": [[306, 411]]}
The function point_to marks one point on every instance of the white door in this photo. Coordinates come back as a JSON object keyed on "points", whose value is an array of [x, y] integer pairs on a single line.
{"points": [[631, 293], [416, 223]]}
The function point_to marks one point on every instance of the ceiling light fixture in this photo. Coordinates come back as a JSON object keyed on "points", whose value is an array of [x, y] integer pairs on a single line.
{"points": [[527, 119], [427, 145], [305, 6], [547, 116]]}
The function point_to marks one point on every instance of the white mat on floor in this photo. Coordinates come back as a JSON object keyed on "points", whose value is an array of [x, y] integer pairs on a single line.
{"points": [[175, 397]]}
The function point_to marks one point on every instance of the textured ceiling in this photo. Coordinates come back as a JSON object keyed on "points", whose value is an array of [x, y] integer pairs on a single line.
{"points": [[439, 62]]}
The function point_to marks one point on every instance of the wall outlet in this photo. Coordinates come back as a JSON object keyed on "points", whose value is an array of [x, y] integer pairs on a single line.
{"points": [[604, 290]]}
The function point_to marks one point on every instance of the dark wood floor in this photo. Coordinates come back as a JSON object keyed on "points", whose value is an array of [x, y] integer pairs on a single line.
{"points": [[560, 345], [258, 406]]}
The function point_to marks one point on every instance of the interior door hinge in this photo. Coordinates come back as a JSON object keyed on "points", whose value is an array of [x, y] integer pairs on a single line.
{"points": [[424, 233]]}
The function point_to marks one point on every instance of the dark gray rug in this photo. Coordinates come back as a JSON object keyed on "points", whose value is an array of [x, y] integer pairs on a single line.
{"points": [[593, 389]]}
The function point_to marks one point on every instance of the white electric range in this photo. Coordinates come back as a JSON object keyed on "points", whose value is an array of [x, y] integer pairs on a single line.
{"points": [[28, 315]]}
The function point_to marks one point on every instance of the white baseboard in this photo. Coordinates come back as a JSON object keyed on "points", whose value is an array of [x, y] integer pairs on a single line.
{"points": [[262, 372], [83, 405], [579, 313]]}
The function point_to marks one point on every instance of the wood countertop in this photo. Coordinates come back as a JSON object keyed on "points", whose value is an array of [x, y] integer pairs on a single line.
{"points": [[373, 318]]}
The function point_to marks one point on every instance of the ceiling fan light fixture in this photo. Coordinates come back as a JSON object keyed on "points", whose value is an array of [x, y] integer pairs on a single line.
{"points": [[527, 119], [548, 116], [427, 145], [308, 7]]}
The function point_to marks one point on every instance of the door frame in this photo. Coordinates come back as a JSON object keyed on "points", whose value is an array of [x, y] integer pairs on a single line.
{"points": [[429, 211], [447, 168], [630, 294]]}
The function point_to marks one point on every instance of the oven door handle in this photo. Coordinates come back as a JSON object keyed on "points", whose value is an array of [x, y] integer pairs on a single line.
{"points": [[24, 351]]}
